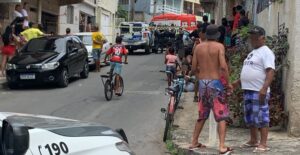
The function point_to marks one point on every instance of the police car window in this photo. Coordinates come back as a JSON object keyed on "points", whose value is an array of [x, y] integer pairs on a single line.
{"points": [[124, 28], [137, 27]]}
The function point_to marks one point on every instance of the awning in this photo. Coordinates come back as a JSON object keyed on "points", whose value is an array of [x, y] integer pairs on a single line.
{"points": [[67, 2], [10, 1]]}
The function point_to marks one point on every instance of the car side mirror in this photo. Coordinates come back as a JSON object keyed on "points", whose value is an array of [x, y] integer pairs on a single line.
{"points": [[15, 138], [122, 133]]}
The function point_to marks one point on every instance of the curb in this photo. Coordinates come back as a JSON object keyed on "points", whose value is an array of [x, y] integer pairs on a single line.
{"points": [[182, 145], [278, 140]]}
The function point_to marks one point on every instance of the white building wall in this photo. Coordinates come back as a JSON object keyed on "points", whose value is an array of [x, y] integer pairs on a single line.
{"points": [[81, 7], [289, 14], [105, 18]]}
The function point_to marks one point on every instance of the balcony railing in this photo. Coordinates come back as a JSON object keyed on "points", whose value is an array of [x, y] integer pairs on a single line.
{"points": [[168, 9]]}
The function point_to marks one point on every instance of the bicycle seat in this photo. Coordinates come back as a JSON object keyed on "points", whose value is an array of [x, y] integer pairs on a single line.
{"points": [[104, 76]]}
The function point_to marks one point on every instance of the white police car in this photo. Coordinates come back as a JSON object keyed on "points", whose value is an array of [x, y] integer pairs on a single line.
{"points": [[24, 134]]}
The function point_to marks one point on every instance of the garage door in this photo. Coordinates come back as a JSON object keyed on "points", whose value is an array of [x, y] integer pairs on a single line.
{"points": [[105, 24]]}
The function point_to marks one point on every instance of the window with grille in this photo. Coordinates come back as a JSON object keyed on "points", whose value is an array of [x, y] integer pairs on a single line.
{"points": [[70, 14]]}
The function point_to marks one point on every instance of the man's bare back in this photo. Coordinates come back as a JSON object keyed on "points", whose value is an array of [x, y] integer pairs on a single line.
{"points": [[209, 61]]}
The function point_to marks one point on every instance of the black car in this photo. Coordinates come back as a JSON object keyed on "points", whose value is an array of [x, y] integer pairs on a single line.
{"points": [[48, 60]]}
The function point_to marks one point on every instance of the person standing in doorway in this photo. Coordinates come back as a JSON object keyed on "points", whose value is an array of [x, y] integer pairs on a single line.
{"points": [[256, 78], [209, 64], [98, 40]]}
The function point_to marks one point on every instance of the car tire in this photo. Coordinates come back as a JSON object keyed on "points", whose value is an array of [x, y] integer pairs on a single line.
{"points": [[92, 67], [85, 73], [63, 80], [130, 51], [12, 85]]}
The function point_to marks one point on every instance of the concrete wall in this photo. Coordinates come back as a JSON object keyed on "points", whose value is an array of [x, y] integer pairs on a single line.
{"points": [[107, 9], [82, 7], [288, 14]]}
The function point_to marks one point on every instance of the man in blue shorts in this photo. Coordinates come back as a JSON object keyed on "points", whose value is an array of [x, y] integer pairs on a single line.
{"points": [[256, 78]]}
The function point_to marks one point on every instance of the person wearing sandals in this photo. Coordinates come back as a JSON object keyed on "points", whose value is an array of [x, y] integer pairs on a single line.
{"points": [[256, 78], [208, 65]]}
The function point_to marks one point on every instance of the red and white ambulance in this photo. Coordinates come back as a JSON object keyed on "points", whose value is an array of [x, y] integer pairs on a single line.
{"points": [[186, 21]]}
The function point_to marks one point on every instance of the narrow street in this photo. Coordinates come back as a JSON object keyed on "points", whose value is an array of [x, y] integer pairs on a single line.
{"points": [[137, 111]]}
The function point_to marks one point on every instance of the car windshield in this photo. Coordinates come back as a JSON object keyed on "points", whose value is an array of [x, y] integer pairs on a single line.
{"points": [[46, 45], [124, 28], [87, 39], [137, 27]]}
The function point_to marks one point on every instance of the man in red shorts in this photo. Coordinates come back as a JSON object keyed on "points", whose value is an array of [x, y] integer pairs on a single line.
{"points": [[208, 61]]}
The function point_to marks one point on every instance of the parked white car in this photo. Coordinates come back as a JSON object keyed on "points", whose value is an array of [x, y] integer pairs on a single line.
{"points": [[25, 134], [86, 38]]}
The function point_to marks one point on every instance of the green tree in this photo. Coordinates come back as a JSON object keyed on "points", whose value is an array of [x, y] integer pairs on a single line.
{"points": [[121, 13]]}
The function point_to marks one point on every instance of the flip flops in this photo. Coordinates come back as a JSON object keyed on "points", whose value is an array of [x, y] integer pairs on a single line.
{"points": [[198, 146], [227, 152], [247, 145], [261, 150]]}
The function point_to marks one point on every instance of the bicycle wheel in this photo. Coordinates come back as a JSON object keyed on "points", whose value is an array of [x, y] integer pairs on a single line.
{"points": [[108, 90], [168, 125], [121, 87]]}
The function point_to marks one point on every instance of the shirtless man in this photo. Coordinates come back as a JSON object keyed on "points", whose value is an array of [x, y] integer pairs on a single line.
{"points": [[208, 65]]}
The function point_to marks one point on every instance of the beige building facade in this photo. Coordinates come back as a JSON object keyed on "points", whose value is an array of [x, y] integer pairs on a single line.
{"points": [[106, 17], [44, 12], [78, 17]]}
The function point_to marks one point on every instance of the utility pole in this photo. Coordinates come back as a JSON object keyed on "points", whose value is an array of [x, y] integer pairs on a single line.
{"points": [[154, 7], [132, 9]]}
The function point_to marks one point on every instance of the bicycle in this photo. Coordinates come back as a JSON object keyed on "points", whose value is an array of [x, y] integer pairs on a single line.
{"points": [[109, 82], [174, 92]]}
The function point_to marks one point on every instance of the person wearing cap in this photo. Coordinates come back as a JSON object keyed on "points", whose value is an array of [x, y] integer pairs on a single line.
{"points": [[256, 77], [209, 65]]}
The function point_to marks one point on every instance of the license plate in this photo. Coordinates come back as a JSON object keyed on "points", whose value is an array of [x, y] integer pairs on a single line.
{"points": [[27, 76]]}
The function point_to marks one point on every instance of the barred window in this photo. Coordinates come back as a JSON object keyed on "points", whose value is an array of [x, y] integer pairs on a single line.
{"points": [[70, 14]]}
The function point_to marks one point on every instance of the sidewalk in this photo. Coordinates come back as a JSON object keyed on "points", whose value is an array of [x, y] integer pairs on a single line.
{"points": [[279, 142]]}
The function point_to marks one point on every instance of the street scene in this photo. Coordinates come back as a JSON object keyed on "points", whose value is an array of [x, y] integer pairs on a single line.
{"points": [[149, 77]]}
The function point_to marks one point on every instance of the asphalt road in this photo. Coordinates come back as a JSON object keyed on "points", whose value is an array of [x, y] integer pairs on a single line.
{"points": [[137, 111]]}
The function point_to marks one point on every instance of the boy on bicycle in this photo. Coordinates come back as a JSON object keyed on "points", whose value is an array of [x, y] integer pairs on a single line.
{"points": [[116, 52]]}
